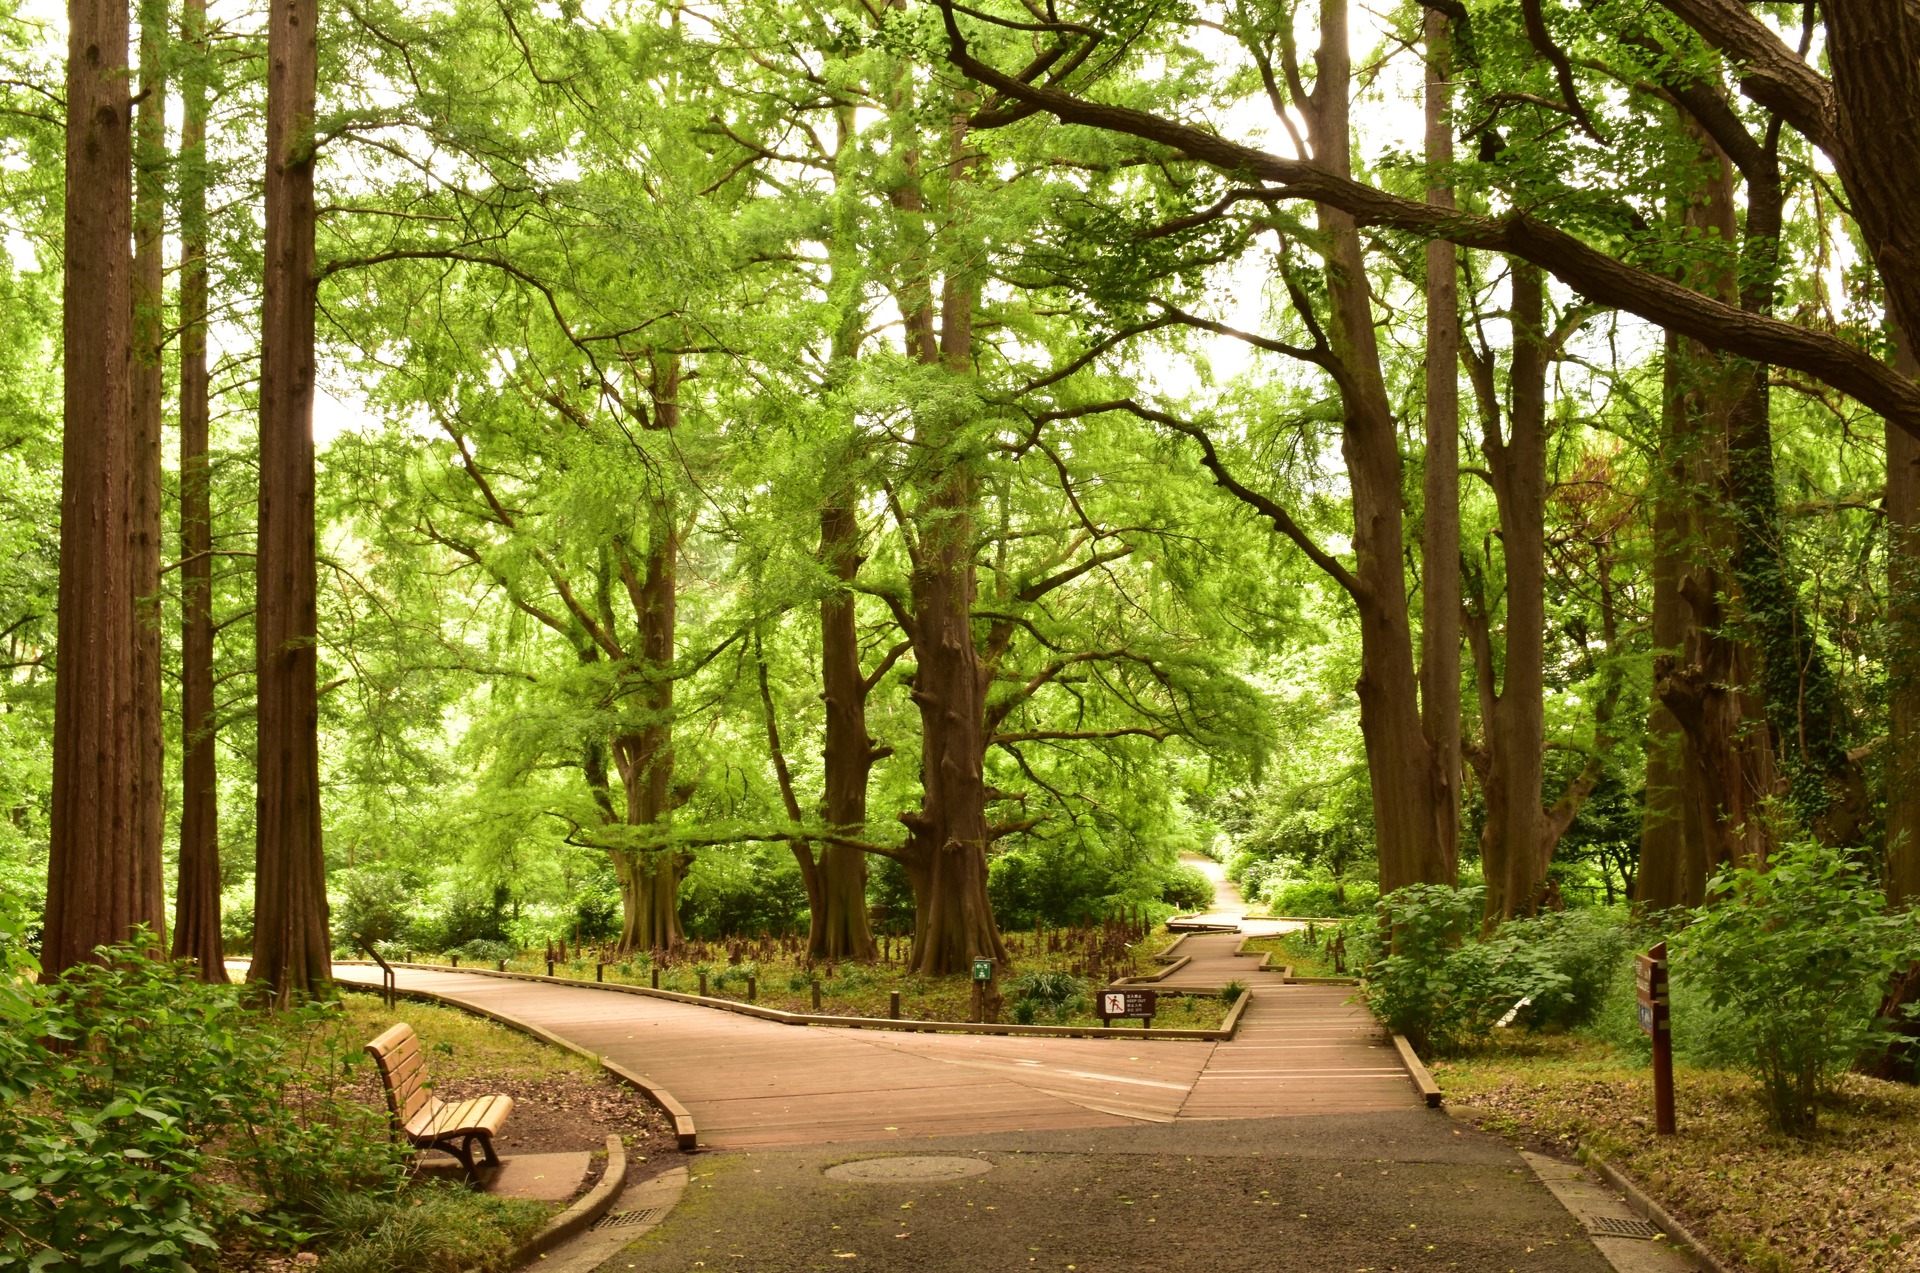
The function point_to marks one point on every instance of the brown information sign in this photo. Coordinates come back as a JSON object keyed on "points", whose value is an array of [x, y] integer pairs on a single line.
{"points": [[1126, 1005]]}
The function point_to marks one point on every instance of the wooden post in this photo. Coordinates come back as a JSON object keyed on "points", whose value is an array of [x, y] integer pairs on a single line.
{"points": [[456, 960], [703, 983], [656, 976], [816, 994], [599, 972], [1650, 983], [893, 1004], [753, 988], [549, 967], [974, 1009], [502, 964]]}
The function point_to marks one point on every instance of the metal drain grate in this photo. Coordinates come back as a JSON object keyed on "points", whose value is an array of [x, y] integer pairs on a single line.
{"points": [[633, 1219], [1615, 1227]]}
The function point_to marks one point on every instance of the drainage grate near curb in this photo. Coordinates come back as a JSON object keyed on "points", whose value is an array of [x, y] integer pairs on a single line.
{"points": [[635, 1218], [1615, 1227]]}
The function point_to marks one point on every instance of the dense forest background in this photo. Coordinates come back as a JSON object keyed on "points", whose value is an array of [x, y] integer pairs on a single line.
{"points": [[761, 446]]}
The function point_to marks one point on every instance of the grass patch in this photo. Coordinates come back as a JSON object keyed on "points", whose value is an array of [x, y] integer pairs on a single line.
{"points": [[427, 1228], [459, 1045], [1308, 956], [1841, 1201]]}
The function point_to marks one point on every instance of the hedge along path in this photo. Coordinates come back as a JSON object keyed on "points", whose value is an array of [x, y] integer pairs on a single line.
{"points": [[756, 1084]]}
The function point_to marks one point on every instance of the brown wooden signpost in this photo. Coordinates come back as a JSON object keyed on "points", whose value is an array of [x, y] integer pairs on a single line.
{"points": [[1650, 982], [1126, 1005]]}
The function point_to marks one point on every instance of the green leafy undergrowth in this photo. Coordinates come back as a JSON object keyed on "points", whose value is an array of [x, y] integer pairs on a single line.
{"points": [[433, 1227], [1838, 1201]]}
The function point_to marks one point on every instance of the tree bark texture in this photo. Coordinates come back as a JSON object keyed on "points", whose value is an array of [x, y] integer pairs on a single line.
{"points": [[1903, 652], [101, 880], [149, 342], [291, 950], [650, 879], [1440, 547], [1408, 799], [1672, 869], [196, 900], [839, 928]]}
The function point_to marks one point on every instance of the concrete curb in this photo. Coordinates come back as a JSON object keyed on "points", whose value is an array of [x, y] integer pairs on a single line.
{"points": [[578, 1218], [1656, 1214], [686, 1135], [910, 1026]]}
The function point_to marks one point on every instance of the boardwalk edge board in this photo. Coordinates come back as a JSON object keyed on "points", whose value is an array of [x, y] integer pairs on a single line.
{"points": [[578, 1218], [1416, 1070], [686, 1135], [1222, 1034]]}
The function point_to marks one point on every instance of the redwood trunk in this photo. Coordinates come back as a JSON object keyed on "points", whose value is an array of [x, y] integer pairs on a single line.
{"points": [[101, 880], [1440, 548], [290, 944], [149, 326], [839, 928], [196, 902]]}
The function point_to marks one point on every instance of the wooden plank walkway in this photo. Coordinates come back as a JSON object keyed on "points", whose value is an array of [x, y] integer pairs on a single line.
{"points": [[752, 1083]]}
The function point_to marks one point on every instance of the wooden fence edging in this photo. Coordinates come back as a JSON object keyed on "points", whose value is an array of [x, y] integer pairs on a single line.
{"points": [[1160, 975], [1416, 1070], [1223, 1033]]}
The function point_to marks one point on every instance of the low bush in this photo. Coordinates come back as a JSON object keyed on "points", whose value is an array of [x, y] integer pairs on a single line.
{"points": [[1187, 888], [1317, 897], [1057, 993], [1800, 954]]}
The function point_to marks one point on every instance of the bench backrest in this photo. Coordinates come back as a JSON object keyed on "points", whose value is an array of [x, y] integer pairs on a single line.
{"points": [[402, 1070]]}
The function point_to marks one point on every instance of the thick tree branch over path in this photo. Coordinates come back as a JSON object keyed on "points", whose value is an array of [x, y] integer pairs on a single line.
{"points": [[1586, 269]]}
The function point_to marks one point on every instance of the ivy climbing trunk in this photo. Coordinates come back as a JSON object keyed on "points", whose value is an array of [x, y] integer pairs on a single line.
{"points": [[291, 954], [196, 899], [102, 880]]}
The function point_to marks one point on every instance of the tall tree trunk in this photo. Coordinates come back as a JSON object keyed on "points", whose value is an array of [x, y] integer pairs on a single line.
{"points": [[101, 880], [290, 943], [839, 929], [1407, 798], [949, 836], [196, 900], [1903, 646], [1440, 547], [1512, 843], [149, 340], [650, 879], [1672, 869]]}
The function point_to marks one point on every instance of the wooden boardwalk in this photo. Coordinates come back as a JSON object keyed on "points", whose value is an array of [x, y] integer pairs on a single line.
{"points": [[753, 1083]]}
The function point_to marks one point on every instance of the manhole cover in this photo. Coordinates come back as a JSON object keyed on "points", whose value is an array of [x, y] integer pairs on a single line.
{"points": [[909, 1169], [1615, 1227]]}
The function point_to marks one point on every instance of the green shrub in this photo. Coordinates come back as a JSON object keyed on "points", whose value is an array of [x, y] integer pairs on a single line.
{"points": [[1800, 954], [1057, 993], [482, 950], [143, 1113], [1315, 897], [1187, 888], [1231, 992]]}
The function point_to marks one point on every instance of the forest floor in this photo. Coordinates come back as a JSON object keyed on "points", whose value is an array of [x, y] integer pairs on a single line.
{"points": [[1841, 1201], [783, 979], [1305, 952]]}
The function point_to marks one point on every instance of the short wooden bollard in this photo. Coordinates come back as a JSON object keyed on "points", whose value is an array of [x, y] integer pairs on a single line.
{"points": [[456, 960], [599, 972], [656, 976], [703, 983], [753, 988], [502, 964], [816, 994], [893, 1004], [549, 967]]}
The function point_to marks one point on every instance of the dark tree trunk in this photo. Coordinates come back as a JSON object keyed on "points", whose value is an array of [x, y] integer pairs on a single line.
{"points": [[1440, 547], [102, 880], [840, 929], [149, 340], [290, 944], [1407, 796], [650, 879], [1673, 862], [1903, 646], [196, 901]]}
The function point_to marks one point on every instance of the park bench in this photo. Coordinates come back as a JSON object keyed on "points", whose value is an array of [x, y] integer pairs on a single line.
{"points": [[423, 1118]]}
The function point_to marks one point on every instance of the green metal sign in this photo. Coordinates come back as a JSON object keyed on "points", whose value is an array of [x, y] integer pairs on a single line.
{"points": [[983, 970]]}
